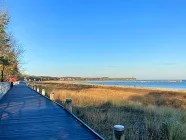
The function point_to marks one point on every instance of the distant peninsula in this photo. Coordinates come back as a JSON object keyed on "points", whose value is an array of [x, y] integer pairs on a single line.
{"points": [[95, 79], [70, 78]]}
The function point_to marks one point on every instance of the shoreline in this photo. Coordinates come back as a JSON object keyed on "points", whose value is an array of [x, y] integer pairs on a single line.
{"points": [[145, 88], [117, 86]]}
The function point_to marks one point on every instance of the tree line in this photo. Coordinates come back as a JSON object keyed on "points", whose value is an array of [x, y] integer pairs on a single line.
{"points": [[10, 51]]}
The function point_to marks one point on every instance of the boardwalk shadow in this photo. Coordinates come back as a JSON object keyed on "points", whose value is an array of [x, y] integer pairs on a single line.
{"points": [[14, 104]]}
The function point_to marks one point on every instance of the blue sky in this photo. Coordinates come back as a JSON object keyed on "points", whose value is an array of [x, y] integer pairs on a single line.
{"points": [[145, 39]]}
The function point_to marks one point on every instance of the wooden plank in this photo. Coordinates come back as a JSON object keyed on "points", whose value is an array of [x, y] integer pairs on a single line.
{"points": [[26, 115]]}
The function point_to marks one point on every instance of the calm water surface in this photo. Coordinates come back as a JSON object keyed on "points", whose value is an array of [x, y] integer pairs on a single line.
{"points": [[149, 84]]}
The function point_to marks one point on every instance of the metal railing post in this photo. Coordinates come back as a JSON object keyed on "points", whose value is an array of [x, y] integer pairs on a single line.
{"points": [[38, 89], [52, 96], [118, 132], [68, 104], [43, 92]]}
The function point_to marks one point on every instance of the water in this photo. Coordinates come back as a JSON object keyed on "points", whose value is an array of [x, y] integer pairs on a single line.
{"points": [[147, 84]]}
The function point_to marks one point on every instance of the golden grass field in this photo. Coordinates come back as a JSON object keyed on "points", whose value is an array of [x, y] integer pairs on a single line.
{"points": [[84, 95], [146, 113]]}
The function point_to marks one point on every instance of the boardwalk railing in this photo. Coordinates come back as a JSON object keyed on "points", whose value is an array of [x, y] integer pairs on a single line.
{"points": [[4, 87], [118, 130]]}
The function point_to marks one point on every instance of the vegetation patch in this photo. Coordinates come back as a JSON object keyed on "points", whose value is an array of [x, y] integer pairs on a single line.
{"points": [[147, 114]]}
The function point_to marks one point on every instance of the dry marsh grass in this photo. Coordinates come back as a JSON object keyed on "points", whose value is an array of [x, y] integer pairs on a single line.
{"points": [[86, 95], [147, 114]]}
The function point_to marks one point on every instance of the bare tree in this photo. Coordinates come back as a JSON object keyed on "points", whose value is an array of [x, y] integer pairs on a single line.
{"points": [[9, 49]]}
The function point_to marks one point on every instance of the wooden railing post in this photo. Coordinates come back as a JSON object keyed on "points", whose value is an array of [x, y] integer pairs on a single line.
{"points": [[118, 132], [52, 96], [68, 104], [38, 89], [43, 92]]}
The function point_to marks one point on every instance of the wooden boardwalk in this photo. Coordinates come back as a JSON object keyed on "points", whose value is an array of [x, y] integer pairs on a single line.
{"points": [[26, 115]]}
